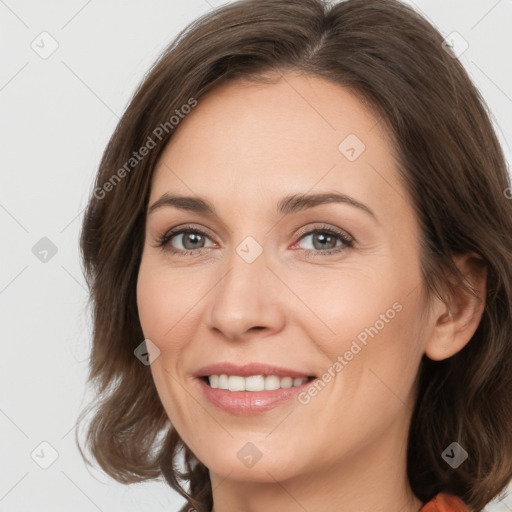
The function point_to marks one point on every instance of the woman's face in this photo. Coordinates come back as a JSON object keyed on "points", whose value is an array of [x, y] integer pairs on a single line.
{"points": [[297, 257]]}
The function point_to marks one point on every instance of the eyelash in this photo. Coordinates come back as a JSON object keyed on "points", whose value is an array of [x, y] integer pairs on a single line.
{"points": [[346, 239]]}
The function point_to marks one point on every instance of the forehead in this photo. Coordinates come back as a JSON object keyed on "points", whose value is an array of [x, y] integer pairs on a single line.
{"points": [[299, 132]]}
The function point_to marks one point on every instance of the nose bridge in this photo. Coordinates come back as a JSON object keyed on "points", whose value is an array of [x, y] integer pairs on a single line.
{"points": [[243, 298]]}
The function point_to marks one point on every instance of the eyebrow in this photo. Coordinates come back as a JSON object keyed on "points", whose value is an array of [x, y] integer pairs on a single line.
{"points": [[286, 205]]}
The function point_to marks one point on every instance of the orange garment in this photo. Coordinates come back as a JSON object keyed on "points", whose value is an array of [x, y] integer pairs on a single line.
{"points": [[445, 503]]}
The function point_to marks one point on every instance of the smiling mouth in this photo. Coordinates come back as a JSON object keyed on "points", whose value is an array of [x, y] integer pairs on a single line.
{"points": [[254, 383]]}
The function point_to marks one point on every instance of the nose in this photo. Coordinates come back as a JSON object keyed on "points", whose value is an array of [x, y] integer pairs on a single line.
{"points": [[246, 300]]}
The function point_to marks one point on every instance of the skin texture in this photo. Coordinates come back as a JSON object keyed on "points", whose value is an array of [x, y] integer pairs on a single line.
{"points": [[243, 148]]}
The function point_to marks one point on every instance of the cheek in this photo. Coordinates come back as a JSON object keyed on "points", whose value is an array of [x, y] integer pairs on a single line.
{"points": [[352, 303], [372, 319], [163, 300], [151, 303], [162, 314], [159, 311]]}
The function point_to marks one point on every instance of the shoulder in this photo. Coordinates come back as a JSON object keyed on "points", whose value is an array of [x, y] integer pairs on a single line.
{"points": [[445, 503]]}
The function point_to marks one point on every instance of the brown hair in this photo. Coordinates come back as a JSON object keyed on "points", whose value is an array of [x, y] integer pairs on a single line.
{"points": [[452, 167]]}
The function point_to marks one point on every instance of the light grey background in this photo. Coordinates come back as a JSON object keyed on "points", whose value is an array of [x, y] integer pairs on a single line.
{"points": [[57, 115]]}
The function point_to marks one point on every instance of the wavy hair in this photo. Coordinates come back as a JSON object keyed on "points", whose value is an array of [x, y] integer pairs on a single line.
{"points": [[451, 165]]}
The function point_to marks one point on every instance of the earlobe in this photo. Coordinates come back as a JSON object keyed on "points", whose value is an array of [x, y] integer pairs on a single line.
{"points": [[455, 321]]}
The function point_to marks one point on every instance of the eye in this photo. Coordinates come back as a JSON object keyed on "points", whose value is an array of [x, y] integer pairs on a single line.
{"points": [[185, 241], [323, 240], [326, 240]]}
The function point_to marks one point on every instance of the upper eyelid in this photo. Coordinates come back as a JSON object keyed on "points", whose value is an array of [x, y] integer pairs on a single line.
{"points": [[303, 231], [183, 229], [324, 227]]}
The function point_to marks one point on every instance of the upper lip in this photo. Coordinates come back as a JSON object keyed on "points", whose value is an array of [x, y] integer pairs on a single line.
{"points": [[249, 369]]}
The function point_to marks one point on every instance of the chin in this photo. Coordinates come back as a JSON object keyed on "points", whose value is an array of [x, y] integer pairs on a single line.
{"points": [[248, 461]]}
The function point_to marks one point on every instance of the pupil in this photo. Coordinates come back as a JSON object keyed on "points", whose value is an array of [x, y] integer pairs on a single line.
{"points": [[324, 238], [191, 237]]}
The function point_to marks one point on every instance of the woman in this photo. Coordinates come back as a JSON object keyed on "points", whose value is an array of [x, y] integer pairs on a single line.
{"points": [[339, 337]]}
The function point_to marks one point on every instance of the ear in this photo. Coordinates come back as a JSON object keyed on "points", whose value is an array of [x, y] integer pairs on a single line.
{"points": [[454, 322]]}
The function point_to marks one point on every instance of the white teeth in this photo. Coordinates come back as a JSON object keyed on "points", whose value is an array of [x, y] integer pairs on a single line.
{"points": [[236, 383], [272, 382], [254, 382], [214, 381], [287, 382], [223, 381]]}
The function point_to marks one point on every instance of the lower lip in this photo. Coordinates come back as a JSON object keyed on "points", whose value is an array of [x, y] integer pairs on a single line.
{"points": [[249, 403]]}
